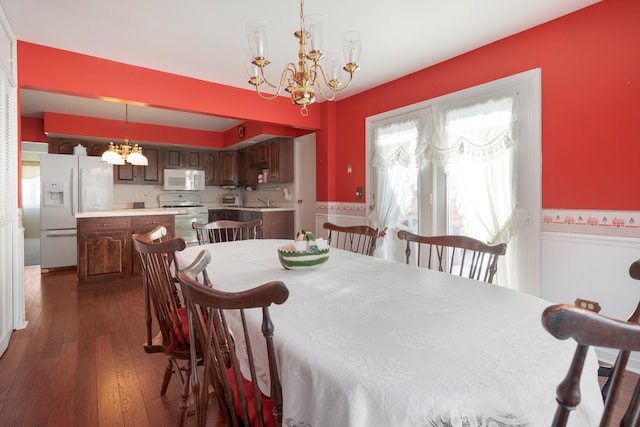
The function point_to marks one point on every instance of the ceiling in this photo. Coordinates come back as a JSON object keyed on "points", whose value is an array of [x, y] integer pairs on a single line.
{"points": [[204, 39]]}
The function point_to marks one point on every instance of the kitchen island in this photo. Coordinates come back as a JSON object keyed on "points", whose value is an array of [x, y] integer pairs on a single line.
{"points": [[105, 251], [277, 223]]}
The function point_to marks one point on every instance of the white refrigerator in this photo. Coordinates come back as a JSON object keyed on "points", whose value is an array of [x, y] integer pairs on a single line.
{"points": [[69, 184]]}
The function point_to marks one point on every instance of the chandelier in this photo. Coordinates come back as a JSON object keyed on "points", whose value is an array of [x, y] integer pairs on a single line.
{"points": [[119, 154], [299, 79]]}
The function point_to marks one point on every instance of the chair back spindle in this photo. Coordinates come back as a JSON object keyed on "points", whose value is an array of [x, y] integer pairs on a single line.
{"points": [[355, 238], [227, 231], [459, 255], [211, 313], [158, 262]]}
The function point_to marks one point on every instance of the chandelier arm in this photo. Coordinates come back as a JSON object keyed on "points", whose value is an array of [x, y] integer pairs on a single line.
{"points": [[289, 68], [340, 89], [299, 79], [317, 83], [326, 82], [266, 97], [327, 98]]}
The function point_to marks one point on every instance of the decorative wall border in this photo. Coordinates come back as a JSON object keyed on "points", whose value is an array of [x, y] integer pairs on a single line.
{"points": [[342, 208], [607, 223], [579, 221]]}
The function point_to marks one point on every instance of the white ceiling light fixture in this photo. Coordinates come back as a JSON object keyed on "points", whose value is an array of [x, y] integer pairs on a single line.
{"points": [[119, 154], [299, 78]]}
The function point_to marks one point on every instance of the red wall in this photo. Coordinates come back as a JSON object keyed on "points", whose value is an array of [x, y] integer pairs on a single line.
{"points": [[81, 75], [590, 63]]}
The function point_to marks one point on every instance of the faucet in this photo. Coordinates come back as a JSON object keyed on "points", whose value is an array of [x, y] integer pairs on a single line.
{"points": [[267, 202]]}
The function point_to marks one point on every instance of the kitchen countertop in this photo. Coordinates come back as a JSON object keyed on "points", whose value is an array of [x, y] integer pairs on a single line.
{"points": [[126, 212]]}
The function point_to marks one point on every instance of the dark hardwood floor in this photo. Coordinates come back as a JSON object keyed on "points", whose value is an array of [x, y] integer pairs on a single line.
{"points": [[80, 360]]}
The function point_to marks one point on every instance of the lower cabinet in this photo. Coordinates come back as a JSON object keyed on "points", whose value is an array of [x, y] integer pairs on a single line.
{"points": [[278, 225], [275, 224], [105, 250]]}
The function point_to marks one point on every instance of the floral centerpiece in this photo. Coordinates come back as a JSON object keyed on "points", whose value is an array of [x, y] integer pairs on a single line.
{"points": [[304, 252]]}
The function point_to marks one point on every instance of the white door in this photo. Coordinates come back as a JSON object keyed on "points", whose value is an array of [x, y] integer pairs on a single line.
{"points": [[304, 194], [11, 260], [7, 217]]}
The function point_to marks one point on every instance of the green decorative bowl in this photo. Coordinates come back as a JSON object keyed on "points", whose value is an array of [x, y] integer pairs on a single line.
{"points": [[298, 260]]}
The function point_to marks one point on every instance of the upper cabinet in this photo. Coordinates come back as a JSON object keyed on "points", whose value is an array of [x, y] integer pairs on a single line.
{"points": [[212, 176], [66, 145], [122, 174], [275, 155], [222, 168], [184, 158], [245, 175], [151, 174], [258, 156], [281, 160], [228, 166]]}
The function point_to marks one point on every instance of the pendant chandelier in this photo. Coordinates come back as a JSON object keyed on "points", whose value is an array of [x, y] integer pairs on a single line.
{"points": [[299, 79], [119, 154]]}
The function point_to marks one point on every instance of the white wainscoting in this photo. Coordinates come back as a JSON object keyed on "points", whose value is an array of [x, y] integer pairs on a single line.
{"points": [[337, 219], [592, 267]]}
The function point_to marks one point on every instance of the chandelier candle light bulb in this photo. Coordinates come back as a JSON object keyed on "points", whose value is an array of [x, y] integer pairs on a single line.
{"points": [[117, 155], [299, 78]]}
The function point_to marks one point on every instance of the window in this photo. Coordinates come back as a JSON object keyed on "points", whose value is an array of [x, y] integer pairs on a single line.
{"points": [[489, 190]]}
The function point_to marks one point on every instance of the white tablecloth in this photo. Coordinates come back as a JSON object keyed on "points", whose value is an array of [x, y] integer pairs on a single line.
{"points": [[366, 342]]}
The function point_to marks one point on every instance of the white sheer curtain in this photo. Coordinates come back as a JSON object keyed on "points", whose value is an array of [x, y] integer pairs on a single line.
{"points": [[474, 146], [397, 156]]}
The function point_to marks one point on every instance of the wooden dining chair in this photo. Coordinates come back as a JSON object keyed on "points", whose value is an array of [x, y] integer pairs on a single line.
{"points": [[459, 255], [161, 287], [157, 235], [210, 311], [227, 231], [589, 329], [355, 238], [610, 372]]}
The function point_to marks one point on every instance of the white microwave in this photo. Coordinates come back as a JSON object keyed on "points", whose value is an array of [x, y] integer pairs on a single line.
{"points": [[183, 179]]}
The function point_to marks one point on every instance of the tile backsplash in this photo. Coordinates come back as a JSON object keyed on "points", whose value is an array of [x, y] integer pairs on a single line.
{"points": [[125, 195]]}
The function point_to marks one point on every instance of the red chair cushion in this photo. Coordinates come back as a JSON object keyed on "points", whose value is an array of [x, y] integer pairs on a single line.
{"points": [[184, 323], [267, 404]]}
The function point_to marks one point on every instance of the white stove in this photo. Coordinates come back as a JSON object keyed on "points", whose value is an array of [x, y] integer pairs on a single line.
{"points": [[189, 210]]}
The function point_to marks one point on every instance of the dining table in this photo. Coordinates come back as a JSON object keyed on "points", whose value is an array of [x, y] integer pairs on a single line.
{"points": [[366, 342]]}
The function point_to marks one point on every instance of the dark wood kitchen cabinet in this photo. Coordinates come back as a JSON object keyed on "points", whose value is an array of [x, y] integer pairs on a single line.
{"points": [[280, 160], [222, 168], [228, 167], [246, 174], [276, 224], [103, 248], [211, 165], [66, 146], [258, 156], [184, 158], [151, 174], [224, 214], [105, 251], [122, 174]]}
